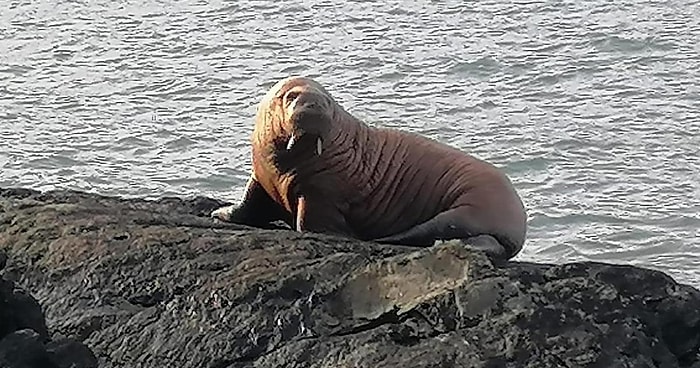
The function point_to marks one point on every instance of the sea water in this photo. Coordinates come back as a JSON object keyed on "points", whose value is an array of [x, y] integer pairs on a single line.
{"points": [[591, 107]]}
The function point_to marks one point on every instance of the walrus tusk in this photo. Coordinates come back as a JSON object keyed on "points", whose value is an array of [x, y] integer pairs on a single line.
{"points": [[291, 142], [319, 146]]}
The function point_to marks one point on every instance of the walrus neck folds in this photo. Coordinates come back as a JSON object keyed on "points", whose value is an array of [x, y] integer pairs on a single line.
{"points": [[347, 140], [344, 125]]}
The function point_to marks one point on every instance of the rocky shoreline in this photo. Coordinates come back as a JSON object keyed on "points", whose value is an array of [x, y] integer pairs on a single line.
{"points": [[91, 280]]}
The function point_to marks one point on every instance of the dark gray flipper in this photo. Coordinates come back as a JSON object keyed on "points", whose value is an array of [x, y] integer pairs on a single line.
{"points": [[452, 224], [257, 209]]}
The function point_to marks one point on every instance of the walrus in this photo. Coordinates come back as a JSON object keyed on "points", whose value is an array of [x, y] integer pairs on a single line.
{"points": [[319, 169]]}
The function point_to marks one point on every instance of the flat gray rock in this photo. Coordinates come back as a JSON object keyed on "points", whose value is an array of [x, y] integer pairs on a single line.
{"points": [[160, 284]]}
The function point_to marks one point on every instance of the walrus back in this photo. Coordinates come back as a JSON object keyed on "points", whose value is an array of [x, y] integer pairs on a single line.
{"points": [[406, 179], [402, 179]]}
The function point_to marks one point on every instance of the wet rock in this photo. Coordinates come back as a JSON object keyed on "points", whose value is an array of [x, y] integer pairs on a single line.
{"points": [[159, 284]]}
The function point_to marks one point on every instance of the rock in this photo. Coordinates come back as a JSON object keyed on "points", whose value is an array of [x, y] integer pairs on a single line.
{"points": [[18, 310], [160, 284], [24, 349], [71, 353], [24, 340]]}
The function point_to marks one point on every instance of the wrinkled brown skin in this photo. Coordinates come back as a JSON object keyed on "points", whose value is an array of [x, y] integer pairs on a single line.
{"points": [[370, 183]]}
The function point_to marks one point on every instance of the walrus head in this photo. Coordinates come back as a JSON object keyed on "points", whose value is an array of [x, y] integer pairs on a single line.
{"points": [[298, 114]]}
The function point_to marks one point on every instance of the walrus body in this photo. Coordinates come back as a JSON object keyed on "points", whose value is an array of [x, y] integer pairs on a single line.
{"points": [[319, 169]]}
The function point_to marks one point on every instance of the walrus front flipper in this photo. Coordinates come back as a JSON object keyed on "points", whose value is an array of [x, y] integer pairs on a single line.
{"points": [[448, 225], [257, 209]]}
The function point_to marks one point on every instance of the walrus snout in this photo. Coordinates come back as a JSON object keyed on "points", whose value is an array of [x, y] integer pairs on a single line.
{"points": [[296, 136], [308, 116], [308, 121]]}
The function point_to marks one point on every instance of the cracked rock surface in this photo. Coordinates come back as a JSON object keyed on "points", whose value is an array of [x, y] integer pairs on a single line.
{"points": [[159, 284]]}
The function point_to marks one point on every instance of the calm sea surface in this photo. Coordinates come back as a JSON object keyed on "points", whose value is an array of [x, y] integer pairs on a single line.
{"points": [[592, 107]]}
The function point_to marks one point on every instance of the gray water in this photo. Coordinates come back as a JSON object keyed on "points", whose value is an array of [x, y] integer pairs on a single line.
{"points": [[592, 108]]}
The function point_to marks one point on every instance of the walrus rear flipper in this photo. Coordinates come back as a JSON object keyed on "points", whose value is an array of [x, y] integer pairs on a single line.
{"points": [[451, 224], [257, 209]]}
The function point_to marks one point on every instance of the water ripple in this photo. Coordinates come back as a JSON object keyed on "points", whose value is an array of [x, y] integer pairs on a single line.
{"points": [[591, 107]]}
